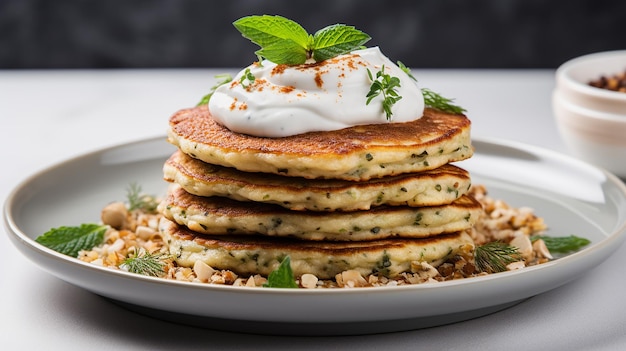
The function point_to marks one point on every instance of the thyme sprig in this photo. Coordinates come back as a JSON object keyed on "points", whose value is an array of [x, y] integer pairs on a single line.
{"points": [[493, 257], [145, 263], [137, 200], [386, 85]]}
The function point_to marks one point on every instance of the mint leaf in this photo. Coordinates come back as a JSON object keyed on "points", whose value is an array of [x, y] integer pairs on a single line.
{"points": [[266, 30], [282, 277], [336, 40], [285, 52], [71, 240], [284, 41]]}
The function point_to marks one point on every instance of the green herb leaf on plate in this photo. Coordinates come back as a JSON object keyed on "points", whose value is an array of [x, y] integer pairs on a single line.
{"points": [[562, 244], [71, 240], [282, 277], [493, 257], [145, 263], [137, 200]]}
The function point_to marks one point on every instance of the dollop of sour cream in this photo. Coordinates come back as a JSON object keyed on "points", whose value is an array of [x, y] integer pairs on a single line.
{"points": [[330, 95]]}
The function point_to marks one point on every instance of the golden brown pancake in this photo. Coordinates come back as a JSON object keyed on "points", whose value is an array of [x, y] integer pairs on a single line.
{"points": [[249, 255], [221, 216], [355, 153], [429, 188]]}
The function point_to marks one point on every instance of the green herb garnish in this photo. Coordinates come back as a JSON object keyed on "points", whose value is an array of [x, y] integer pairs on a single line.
{"points": [[139, 201], [145, 263], [247, 78], [222, 79], [493, 257], [562, 244], [284, 41], [386, 85], [439, 102], [71, 240], [282, 277], [406, 70], [433, 99]]}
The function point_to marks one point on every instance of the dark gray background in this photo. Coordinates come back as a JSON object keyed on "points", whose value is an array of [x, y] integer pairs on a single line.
{"points": [[199, 33]]}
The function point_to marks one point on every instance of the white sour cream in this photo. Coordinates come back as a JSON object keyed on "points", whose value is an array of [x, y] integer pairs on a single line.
{"points": [[330, 95]]}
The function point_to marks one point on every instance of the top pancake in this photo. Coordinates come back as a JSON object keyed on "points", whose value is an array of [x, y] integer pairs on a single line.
{"points": [[355, 153]]}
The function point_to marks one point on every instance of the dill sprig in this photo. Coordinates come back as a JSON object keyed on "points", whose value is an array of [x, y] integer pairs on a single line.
{"points": [[143, 262], [493, 257], [439, 102], [139, 201], [386, 85], [562, 244], [222, 79], [433, 99]]}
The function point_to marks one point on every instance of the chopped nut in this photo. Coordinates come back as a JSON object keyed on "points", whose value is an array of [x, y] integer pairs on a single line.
{"points": [[144, 232], [541, 249], [515, 265], [203, 271], [350, 279], [116, 215], [308, 281], [524, 246]]}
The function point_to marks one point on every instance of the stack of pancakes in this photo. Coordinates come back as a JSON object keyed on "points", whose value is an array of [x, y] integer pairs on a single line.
{"points": [[371, 198]]}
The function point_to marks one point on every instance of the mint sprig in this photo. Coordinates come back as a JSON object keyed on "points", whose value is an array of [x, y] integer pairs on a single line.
{"points": [[284, 41], [71, 240]]}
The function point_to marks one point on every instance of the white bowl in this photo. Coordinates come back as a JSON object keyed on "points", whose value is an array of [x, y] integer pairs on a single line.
{"points": [[592, 121]]}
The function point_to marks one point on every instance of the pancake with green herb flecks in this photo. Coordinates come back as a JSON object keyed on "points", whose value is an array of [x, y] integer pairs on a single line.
{"points": [[221, 216], [355, 153], [429, 188], [249, 255]]}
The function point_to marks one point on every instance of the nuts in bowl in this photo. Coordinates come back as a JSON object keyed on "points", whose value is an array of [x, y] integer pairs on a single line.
{"points": [[589, 104]]}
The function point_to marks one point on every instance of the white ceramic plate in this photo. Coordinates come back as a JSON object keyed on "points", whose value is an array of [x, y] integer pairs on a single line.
{"points": [[573, 197]]}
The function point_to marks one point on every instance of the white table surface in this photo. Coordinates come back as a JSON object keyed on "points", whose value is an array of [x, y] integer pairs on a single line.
{"points": [[49, 116]]}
